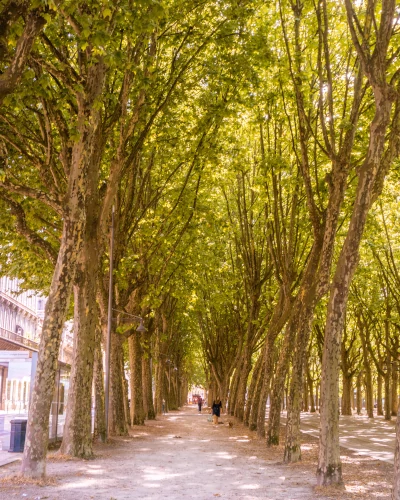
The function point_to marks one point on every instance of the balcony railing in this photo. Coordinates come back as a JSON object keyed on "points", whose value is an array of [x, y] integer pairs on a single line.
{"points": [[19, 340]]}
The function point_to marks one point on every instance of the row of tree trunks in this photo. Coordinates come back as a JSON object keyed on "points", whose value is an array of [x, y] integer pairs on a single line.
{"points": [[277, 393], [302, 326], [234, 390], [253, 393], [242, 385], [370, 183]]}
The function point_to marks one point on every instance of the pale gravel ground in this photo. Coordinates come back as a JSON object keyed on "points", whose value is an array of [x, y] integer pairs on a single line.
{"points": [[179, 456]]}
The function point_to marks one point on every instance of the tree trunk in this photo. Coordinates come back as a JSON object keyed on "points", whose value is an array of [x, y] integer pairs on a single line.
{"points": [[148, 404], [359, 394], [370, 183], [277, 394], [347, 394], [242, 386], [34, 459], [185, 391], [252, 394], [311, 391], [257, 397], [77, 439], [99, 422], [117, 425], [158, 398], [369, 393], [279, 318], [258, 418], [300, 324], [234, 390], [379, 407], [305, 397], [135, 361], [127, 408], [87, 124], [172, 389], [396, 482], [369, 396], [388, 394], [329, 465], [395, 384]]}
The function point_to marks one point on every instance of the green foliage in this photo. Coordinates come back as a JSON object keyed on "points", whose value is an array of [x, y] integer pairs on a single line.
{"points": [[211, 167]]}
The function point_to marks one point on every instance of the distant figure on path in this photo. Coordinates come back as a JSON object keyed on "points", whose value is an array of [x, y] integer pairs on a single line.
{"points": [[216, 410], [199, 403]]}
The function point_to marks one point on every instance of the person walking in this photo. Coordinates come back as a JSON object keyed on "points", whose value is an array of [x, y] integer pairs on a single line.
{"points": [[216, 410], [199, 403]]}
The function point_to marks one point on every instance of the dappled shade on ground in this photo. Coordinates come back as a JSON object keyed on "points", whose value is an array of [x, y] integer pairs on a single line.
{"points": [[183, 455]]}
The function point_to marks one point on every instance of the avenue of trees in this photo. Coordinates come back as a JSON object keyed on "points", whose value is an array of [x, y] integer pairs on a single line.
{"points": [[250, 152]]}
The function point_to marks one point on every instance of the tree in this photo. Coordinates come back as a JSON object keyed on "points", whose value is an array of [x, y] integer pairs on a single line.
{"points": [[371, 174]]}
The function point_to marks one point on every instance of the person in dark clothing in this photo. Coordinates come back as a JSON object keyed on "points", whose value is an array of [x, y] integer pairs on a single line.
{"points": [[216, 410], [199, 403]]}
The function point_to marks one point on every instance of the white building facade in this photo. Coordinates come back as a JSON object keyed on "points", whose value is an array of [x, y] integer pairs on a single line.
{"points": [[21, 319]]}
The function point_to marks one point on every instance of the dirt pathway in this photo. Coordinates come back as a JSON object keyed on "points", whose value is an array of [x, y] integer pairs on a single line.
{"points": [[179, 456], [375, 438]]}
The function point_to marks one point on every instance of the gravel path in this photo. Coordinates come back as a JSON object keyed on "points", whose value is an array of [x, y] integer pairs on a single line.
{"points": [[375, 438], [179, 456]]}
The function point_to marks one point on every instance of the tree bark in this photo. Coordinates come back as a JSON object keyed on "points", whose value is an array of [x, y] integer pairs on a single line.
{"points": [[396, 483], [34, 459], [277, 393], [77, 439], [301, 323], [234, 390], [278, 321], [135, 361], [242, 385], [99, 422], [369, 396], [329, 466], [252, 393], [388, 394], [88, 119], [379, 409], [395, 394], [117, 425], [347, 394], [148, 404], [253, 398], [359, 394], [370, 182], [313, 400], [369, 392], [159, 394]]}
